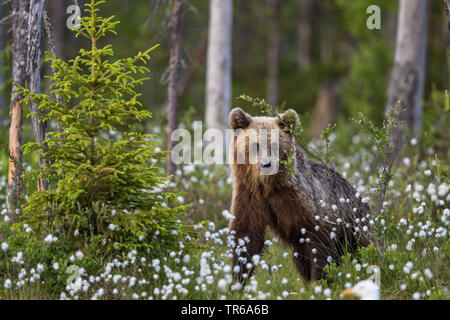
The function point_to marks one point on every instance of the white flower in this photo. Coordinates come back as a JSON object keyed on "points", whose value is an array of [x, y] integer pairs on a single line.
{"points": [[56, 265], [406, 162], [227, 215], [79, 255], [18, 258], [50, 238], [428, 273], [4, 246], [443, 189], [7, 284], [112, 227], [40, 267], [413, 141], [132, 282], [416, 296], [365, 200], [204, 266], [222, 284]]}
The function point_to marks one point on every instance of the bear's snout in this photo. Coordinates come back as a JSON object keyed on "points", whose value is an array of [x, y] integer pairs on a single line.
{"points": [[266, 164]]}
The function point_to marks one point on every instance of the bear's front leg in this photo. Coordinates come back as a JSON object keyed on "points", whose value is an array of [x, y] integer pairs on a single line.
{"points": [[248, 241], [247, 229]]}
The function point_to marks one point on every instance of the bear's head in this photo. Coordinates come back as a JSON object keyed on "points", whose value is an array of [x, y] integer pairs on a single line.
{"points": [[260, 143]]}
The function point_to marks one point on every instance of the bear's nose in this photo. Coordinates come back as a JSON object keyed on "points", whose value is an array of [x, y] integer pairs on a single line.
{"points": [[266, 164]]}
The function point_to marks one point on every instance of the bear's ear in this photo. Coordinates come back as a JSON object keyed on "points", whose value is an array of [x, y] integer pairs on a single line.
{"points": [[288, 120], [239, 119]]}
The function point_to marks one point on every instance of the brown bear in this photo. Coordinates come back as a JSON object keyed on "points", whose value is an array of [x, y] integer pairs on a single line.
{"points": [[314, 211]]}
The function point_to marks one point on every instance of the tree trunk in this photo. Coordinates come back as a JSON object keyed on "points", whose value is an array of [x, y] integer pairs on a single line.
{"points": [[2, 47], [197, 60], [58, 14], [273, 51], [408, 75], [304, 34], [326, 31], [174, 70], [34, 76], [51, 44], [218, 70], [18, 57], [326, 109]]}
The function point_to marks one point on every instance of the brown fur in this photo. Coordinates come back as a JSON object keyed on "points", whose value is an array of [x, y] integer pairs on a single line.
{"points": [[286, 203]]}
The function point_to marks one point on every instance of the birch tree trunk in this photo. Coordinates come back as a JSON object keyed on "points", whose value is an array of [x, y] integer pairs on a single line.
{"points": [[18, 57], [304, 34], [408, 75], [273, 51], [34, 75], [218, 70], [174, 75]]}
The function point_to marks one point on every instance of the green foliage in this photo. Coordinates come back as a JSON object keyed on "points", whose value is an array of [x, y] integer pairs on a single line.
{"points": [[436, 118], [326, 136], [106, 193], [384, 147], [366, 84], [370, 58], [354, 15]]}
